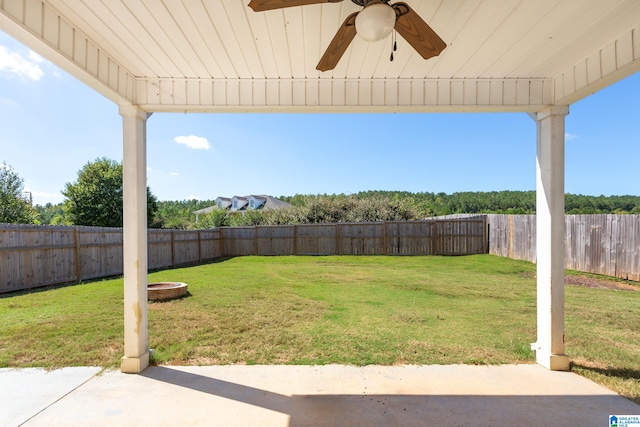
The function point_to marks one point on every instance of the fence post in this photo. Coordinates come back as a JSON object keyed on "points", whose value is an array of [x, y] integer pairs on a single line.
{"points": [[76, 237], [485, 238], [173, 249], [337, 251], [295, 239], [384, 238], [436, 240], [255, 240], [511, 236], [220, 243], [199, 248]]}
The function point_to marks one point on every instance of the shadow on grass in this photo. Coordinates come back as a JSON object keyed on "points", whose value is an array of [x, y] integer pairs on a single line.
{"points": [[47, 288], [191, 264], [623, 373]]}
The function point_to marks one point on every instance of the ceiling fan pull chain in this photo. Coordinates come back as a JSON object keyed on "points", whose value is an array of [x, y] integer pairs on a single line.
{"points": [[394, 45]]}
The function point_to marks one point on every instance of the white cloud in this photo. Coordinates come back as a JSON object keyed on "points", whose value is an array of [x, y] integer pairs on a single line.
{"points": [[8, 102], [160, 172], [193, 142], [569, 136], [42, 194], [26, 67], [35, 57], [42, 198]]}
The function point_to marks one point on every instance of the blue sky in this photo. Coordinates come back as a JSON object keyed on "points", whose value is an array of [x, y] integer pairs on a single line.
{"points": [[51, 125]]}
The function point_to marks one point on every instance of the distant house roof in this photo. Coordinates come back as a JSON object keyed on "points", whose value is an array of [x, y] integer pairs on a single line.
{"points": [[244, 203], [239, 203], [272, 203], [205, 210]]}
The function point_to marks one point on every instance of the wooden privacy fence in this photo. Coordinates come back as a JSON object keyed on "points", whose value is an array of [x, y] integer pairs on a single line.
{"points": [[441, 237], [32, 256], [600, 244]]}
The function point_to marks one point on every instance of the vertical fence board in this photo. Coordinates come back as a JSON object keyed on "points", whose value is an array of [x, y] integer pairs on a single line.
{"points": [[160, 252], [209, 247], [275, 240]]}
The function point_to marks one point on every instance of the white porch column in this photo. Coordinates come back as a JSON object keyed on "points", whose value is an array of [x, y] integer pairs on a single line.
{"points": [[550, 238], [134, 164]]}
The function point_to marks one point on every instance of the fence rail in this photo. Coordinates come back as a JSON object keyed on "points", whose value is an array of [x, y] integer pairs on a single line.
{"points": [[32, 256], [600, 244]]}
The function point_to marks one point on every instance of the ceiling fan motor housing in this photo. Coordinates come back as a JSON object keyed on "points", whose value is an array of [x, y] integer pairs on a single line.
{"points": [[363, 3], [376, 21]]}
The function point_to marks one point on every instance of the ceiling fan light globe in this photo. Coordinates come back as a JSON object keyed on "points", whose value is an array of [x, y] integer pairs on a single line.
{"points": [[375, 22]]}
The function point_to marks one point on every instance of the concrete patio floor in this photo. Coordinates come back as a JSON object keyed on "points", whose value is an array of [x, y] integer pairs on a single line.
{"points": [[295, 396]]}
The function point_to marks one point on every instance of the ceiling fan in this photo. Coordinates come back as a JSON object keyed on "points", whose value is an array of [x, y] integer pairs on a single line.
{"points": [[374, 22]]}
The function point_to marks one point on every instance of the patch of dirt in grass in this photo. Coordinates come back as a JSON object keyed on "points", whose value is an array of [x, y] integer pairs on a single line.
{"points": [[597, 283], [592, 282]]}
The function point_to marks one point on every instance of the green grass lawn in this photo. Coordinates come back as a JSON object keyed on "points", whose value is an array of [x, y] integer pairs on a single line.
{"points": [[318, 310]]}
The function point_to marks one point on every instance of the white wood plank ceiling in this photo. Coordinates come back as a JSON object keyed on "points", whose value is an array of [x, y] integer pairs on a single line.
{"points": [[219, 55]]}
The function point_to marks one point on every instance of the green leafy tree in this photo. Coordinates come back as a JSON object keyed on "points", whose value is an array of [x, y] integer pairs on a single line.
{"points": [[51, 214], [246, 218], [331, 208], [179, 214], [215, 218], [96, 197], [14, 209]]}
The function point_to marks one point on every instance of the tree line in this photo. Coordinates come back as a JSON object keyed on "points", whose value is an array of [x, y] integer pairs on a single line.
{"points": [[95, 199], [507, 202]]}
